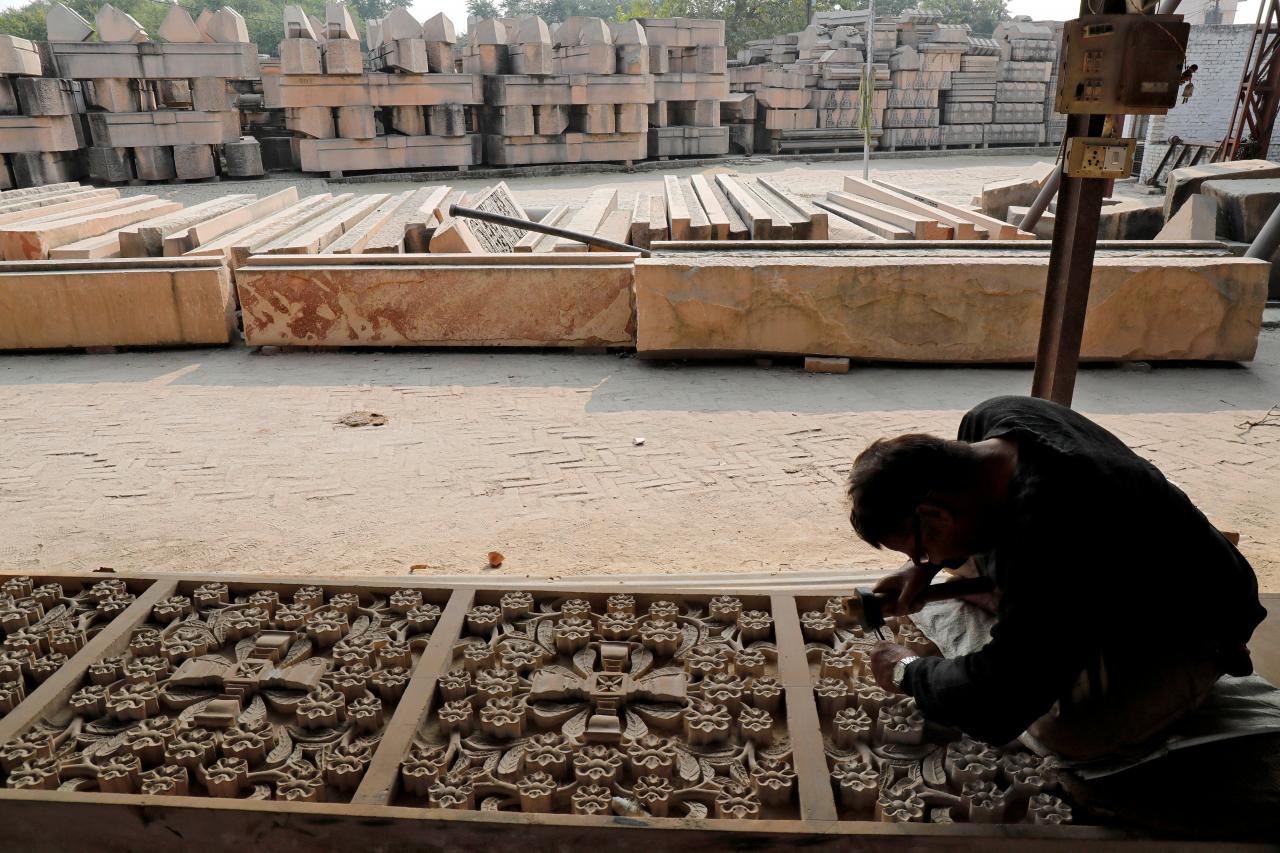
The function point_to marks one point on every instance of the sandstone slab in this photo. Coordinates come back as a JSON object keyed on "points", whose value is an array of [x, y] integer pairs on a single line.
{"points": [[1243, 205], [1183, 183], [944, 309], [53, 304], [1195, 220], [436, 302]]}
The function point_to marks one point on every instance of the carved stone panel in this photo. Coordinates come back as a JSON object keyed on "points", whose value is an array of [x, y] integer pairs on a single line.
{"points": [[273, 692], [44, 622], [632, 705], [887, 763]]}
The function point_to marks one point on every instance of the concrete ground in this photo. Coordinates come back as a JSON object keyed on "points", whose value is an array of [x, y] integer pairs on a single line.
{"points": [[223, 460]]}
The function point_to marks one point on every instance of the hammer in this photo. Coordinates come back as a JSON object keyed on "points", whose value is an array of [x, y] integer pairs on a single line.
{"points": [[866, 607]]}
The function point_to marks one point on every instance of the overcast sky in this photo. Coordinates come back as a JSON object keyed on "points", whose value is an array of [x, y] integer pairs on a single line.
{"points": [[1059, 10]]}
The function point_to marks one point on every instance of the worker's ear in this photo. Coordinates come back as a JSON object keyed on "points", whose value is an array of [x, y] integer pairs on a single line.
{"points": [[935, 515]]}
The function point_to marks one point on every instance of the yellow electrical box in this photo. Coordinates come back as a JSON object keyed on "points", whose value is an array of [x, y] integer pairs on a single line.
{"points": [[1121, 64], [1099, 157]]}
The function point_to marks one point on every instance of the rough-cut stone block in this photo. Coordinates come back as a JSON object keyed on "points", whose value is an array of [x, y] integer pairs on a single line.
{"points": [[227, 26], [178, 26], [1243, 205], [33, 240], [552, 119], [65, 24], [112, 165], [194, 162], [410, 121], [338, 21], [156, 61], [448, 120], [210, 94], [387, 152], [382, 90], [113, 96], [154, 163], [19, 57], [113, 303], [356, 123], [166, 127], [19, 134], [997, 196], [343, 56], [437, 304], [299, 56], [1185, 182], [34, 168], [944, 309], [315, 122], [1195, 220], [116, 26]]}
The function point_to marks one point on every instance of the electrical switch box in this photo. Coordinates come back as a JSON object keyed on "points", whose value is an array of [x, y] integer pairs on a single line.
{"points": [[1099, 157], [1121, 64]]}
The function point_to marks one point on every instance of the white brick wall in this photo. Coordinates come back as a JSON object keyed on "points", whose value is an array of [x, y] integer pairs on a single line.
{"points": [[1220, 52]]}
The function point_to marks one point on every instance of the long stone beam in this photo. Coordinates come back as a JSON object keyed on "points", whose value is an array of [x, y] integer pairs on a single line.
{"points": [[379, 90], [155, 60]]}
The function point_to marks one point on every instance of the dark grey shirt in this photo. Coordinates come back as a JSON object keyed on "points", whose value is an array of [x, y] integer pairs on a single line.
{"points": [[1098, 554]]}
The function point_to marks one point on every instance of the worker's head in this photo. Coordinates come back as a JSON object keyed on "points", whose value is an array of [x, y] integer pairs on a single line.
{"points": [[918, 494]]}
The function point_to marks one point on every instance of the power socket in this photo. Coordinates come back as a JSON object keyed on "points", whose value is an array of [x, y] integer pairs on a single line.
{"points": [[1099, 157]]}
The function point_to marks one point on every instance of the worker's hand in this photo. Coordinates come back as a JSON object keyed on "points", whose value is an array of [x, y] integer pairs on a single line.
{"points": [[883, 657], [902, 587]]}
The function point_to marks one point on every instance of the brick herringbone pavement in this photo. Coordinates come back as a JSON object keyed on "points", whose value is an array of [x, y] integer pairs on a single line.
{"points": [[224, 460]]}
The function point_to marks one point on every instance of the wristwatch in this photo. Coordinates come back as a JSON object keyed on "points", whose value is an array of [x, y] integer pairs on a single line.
{"points": [[900, 670]]}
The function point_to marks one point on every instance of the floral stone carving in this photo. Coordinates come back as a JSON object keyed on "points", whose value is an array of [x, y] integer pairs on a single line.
{"points": [[236, 693], [888, 764], [43, 625], [625, 705]]}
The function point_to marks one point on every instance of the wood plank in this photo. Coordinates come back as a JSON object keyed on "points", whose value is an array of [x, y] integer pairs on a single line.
{"points": [[677, 209], [919, 227], [757, 218], [717, 219], [817, 228], [813, 780], [961, 229], [699, 224], [529, 242], [111, 640], [379, 782], [999, 230], [870, 225]]}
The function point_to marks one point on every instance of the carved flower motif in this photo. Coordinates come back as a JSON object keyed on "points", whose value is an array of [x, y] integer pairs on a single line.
{"points": [[536, 791], [113, 606], [455, 716], [516, 604], [592, 799], [119, 773], [395, 653], [901, 722], [66, 639], [483, 618], [520, 655], [818, 626], [654, 793], [850, 725], [756, 724], [90, 701], [191, 747], [832, 694], [871, 697], [1048, 809], [968, 760], [455, 684], [25, 748], [705, 723], [749, 662], [290, 617], [133, 702], [171, 608], [617, 626], [304, 784], [169, 780], [503, 717], [422, 768], [351, 679], [652, 755], [148, 739], [12, 664], [901, 804], [144, 642], [576, 607], [773, 780], [621, 603], [452, 792], [226, 776], [496, 684], [841, 664], [704, 659], [308, 596], [209, 594], [327, 626], [46, 666], [245, 622], [986, 800], [344, 765], [737, 802], [422, 619], [146, 670], [250, 745], [660, 635], [40, 774], [725, 608], [549, 752], [723, 688], [572, 633], [390, 682], [857, 783], [320, 709], [597, 764], [477, 656], [265, 599], [21, 586], [346, 602], [754, 625], [404, 600], [47, 594], [365, 713], [668, 610]]}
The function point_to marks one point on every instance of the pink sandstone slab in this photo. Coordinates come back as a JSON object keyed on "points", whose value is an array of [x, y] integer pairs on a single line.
{"points": [[944, 309], [437, 304]]}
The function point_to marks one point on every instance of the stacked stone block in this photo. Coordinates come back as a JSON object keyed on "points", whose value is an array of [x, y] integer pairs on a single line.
{"points": [[405, 106], [969, 105], [1028, 57], [40, 130], [160, 110], [688, 61], [577, 94]]}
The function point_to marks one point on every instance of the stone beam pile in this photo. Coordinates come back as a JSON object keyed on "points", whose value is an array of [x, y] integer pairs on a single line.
{"points": [[160, 110], [575, 93], [936, 84], [405, 107], [688, 60], [40, 131]]}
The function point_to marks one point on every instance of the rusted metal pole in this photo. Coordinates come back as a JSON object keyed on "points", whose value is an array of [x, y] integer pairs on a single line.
{"points": [[525, 224], [1041, 203]]}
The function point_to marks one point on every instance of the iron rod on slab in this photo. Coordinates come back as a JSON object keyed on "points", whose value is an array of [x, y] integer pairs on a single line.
{"points": [[517, 222]]}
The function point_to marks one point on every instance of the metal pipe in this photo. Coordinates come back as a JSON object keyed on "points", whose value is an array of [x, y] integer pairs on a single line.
{"points": [[1265, 244], [1168, 7], [1041, 203], [869, 79], [526, 225]]}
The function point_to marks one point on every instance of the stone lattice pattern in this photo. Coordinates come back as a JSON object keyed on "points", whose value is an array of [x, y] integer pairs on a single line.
{"points": [[630, 705], [45, 623], [888, 764], [233, 692]]}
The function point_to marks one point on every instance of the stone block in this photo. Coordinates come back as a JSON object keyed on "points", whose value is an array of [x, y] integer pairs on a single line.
{"points": [[194, 162], [408, 55], [563, 304], [114, 25], [299, 56], [33, 239], [297, 25], [1131, 219], [1183, 183], [338, 21], [387, 152], [178, 26], [531, 59], [439, 28], [154, 163], [441, 58], [552, 119], [1195, 220], [384, 90], [8, 97], [277, 153], [485, 59], [356, 123], [315, 122], [1243, 206], [115, 304], [164, 127], [113, 165], [212, 94], [172, 94], [65, 24], [343, 56], [113, 96], [155, 61], [37, 168], [585, 59], [632, 118], [659, 59], [593, 119], [511, 121], [19, 57], [227, 26], [410, 121], [146, 238], [243, 158], [213, 227], [938, 309], [632, 59], [399, 24], [997, 196], [447, 120], [816, 364], [21, 133]]}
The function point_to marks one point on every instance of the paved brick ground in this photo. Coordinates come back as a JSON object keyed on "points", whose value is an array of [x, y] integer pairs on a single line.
{"points": [[225, 460]]}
